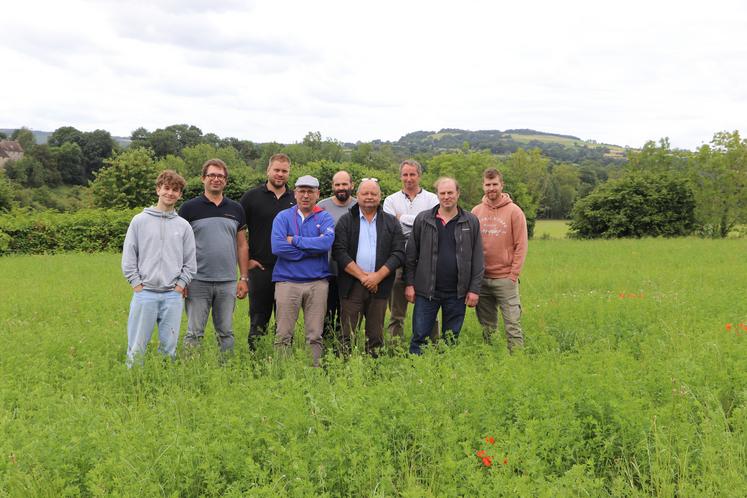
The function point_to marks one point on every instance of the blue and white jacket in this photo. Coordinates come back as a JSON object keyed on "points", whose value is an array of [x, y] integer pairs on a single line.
{"points": [[305, 258]]}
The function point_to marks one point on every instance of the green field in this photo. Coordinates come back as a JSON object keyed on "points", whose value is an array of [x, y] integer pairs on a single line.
{"points": [[551, 229], [614, 150], [633, 383]]}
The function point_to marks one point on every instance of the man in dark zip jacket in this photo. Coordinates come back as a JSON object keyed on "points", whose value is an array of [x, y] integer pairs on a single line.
{"points": [[444, 265], [369, 246]]}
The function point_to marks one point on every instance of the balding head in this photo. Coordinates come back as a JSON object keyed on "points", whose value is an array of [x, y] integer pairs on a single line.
{"points": [[369, 195], [342, 187]]}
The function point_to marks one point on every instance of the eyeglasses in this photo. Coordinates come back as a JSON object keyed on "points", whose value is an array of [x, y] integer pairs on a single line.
{"points": [[304, 191], [215, 176], [370, 180]]}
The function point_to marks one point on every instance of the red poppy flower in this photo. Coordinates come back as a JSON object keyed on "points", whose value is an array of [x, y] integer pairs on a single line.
{"points": [[621, 296], [490, 440], [482, 453], [487, 461], [728, 326], [505, 461]]}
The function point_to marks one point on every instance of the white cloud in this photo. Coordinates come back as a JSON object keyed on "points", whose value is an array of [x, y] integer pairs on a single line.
{"points": [[359, 71]]}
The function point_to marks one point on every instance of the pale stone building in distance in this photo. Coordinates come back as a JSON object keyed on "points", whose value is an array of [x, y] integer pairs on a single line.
{"points": [[10, 150]]}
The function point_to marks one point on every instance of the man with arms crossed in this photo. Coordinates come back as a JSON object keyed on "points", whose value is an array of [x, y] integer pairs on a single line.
{"points": [[405, 205], [342, 199], [158, 260], [369, 247], [504, 237], [302, 236], [220, 238], [261, 205], [444, 265]]}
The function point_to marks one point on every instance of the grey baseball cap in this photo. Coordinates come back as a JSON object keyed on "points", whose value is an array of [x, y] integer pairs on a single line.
{"points": [[307, 181]]}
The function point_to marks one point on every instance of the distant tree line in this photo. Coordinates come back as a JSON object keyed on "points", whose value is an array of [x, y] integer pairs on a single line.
{"points": [[706, 188]]}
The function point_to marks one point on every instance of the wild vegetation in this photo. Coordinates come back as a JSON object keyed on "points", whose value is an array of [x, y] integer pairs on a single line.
{"points": [[632, 383], [548, 175]]}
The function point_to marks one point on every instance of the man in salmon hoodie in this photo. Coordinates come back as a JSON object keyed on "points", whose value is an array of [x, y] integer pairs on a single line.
{"points": [[504, 241]]}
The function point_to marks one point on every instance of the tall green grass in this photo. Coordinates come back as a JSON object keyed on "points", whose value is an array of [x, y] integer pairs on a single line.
{"points": [[630, 385], [550, 229]]}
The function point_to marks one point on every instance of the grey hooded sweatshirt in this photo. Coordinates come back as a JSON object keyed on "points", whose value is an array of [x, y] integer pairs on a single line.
{"points": [[159, 251]]}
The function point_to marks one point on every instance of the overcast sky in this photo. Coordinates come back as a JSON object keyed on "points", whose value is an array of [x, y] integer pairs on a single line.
{"points": [[273, 70]]}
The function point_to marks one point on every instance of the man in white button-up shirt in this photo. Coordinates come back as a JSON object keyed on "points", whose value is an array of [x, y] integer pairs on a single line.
{"points": [[405, 206]]}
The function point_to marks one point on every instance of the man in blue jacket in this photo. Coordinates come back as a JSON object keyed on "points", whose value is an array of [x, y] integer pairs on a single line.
{"points": [[301, 238]]}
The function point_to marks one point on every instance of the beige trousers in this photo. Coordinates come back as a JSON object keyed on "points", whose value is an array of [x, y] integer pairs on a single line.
{"points": [[290, 297], [500, 293]]}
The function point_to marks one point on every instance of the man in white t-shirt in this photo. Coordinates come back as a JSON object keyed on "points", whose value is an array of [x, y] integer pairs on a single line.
{"points": [[405, 206]]}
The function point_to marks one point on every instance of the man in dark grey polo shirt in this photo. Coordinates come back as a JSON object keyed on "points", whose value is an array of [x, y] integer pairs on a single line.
{"points": [[341, 201], [220, 238]]}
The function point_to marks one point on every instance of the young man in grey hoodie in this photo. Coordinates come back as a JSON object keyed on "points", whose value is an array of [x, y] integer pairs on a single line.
{"points": [[158, 260]]}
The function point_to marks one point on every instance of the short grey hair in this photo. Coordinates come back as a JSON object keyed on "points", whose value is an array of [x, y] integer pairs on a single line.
{"points": [[411, 162]]}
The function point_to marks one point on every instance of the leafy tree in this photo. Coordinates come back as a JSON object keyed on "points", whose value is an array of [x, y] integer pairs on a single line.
{"points": [[70, 163], [562, 191], [324, 171], [126, 181], [658, 158], [186, 135], [7, 199], [65, 134], [196, 155], [375, 156], [313, 140], [639, 204], [531, 169], [175, 163], [719, 174], [25, 137], [246, 149], [239, 181], [44, 154], [268, 150], [163, 143], [97, 146], [140, 138], [27, 171], [466, 168]]}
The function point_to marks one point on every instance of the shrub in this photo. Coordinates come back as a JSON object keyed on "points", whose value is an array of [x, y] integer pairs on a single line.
{"points": [[46, 232], [127, 181], [639, 204]]}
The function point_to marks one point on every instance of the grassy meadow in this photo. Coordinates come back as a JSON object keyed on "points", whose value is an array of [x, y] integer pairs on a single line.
{"points": [[633, 382], [551, 229]]}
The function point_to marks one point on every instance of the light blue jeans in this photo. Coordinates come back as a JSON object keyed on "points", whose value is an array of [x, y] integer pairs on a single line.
{"points": [[148, 309]]}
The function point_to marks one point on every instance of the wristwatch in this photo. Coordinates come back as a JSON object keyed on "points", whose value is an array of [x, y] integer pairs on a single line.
{"points": [[244, 279]]}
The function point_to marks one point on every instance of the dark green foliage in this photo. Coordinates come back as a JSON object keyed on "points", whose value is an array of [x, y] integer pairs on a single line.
{"points": [[639, 204], [25, 137], [97, 146], [239, 181], [70, 163], [65, 134], [7, 202], [325, 170], [27, 171], [46, 232]]}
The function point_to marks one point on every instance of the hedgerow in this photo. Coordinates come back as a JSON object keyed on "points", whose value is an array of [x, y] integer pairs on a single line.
{"points": [[47, 232]]}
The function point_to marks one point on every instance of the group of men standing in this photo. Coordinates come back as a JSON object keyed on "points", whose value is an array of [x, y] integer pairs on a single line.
{"points": [[343, 260]]}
